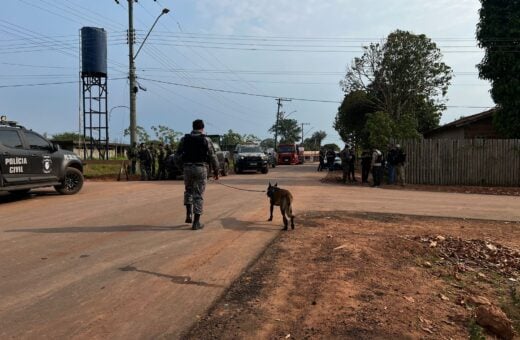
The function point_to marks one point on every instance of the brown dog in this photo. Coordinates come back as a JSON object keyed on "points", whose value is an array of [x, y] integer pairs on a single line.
{"points": [[283, 199]]}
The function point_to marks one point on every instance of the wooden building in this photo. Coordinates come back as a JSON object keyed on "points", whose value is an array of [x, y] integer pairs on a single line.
{"points": [[475, 126]]}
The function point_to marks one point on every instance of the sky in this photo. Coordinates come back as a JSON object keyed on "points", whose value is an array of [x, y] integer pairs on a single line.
{"points": [[266, 49]]}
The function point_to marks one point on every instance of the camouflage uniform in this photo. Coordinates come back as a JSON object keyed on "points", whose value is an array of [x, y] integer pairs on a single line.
{"points": [[132, 154], [161, 157], [153, 153], [145, 159], [196, 152]]}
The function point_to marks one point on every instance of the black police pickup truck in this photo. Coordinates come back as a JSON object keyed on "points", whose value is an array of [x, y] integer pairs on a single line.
{"points": [[250, 157], [28, 161]]}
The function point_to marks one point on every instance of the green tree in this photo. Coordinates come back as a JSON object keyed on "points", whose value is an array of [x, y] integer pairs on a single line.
{"points": [[166, 135], [498, 33], [142, 135], [314, 142], [288, 130], [250, 138], [351, 118], [67, 136], [332, 146], [231, 138], [380, 128], [403, 76], [267, 143]]}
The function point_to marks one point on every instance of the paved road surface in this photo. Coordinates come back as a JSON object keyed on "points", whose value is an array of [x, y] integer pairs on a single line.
{"points": [[116, 261]]}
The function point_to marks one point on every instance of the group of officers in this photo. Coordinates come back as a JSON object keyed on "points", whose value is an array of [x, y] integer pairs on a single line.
{"points": [[152, 160], [372, 161]]}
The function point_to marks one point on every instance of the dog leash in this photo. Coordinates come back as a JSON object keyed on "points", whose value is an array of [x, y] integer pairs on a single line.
{"points": [[232, 187]]}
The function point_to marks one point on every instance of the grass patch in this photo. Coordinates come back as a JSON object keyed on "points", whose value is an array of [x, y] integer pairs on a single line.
{"points": [[91, 171]]}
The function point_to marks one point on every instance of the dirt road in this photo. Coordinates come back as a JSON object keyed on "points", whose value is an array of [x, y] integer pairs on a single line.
{"points": [[116, 260]]}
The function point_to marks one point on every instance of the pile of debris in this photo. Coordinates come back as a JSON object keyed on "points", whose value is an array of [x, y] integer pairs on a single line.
{"points": [[476, 254]]}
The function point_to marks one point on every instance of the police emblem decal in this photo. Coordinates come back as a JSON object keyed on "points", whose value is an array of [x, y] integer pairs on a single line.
{"points": [[47, 164]]}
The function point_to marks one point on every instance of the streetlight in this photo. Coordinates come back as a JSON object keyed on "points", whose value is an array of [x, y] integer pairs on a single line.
{"points": [[131, 73], [290, 113], [302, 129]]}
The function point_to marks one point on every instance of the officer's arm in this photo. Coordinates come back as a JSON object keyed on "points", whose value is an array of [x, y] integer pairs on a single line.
{"points": [[180, 147], [213, 157]]}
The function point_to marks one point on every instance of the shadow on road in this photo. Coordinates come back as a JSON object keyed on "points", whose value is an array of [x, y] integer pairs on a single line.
{"points": [[184, 280], [234, 224], [6, 197], [102, 229]]}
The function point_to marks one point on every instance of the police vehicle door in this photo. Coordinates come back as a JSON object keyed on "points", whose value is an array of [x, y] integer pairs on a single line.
{"points": [[14, 168], [42, 165]]}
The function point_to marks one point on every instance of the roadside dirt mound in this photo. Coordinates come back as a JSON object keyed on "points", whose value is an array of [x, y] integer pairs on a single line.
{"points": [[335, 177], [352, 276]]}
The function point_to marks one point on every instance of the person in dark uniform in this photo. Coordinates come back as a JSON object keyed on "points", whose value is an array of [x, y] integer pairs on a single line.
{"points": [[322, 160], [344, 155], [145, 159], [351, 165], [366, 161], [161, 159], [331, 156], [167, 152], [196, 152], [132, 154], [153, 153]]}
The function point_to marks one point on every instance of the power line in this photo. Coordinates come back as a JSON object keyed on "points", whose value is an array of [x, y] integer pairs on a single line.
{"points": [[239, 92], [51, 83]]}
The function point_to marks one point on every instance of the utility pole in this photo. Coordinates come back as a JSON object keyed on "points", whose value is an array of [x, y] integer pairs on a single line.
{"points": [[302, 129], [131, 73], [131, 66], [279, 100]]}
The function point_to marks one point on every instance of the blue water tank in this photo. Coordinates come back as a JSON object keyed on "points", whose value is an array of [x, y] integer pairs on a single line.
{"points": [[93, 52]]}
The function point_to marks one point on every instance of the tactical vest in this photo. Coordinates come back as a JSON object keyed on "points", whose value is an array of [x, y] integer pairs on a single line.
{"points": [[196, 149]]}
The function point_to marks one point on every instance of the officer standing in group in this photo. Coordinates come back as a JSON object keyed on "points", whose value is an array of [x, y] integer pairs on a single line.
{"points": [[167, 152], [344, 155], [196, 152], [366, 161], [377, 167], [145, 159], [161, 157], [153, 153], [131, 155], [352, 165]]}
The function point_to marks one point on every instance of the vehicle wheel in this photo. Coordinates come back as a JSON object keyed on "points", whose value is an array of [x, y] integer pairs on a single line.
{"points": [[273, 165], [225, 170], [265, 170], [20, 192], [72, 182]]}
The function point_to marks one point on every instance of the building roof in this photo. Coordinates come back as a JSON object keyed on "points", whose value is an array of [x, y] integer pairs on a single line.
{"points": [[464, 121]]}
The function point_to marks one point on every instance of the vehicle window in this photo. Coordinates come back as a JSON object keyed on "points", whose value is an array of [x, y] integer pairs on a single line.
{"points": [[250, 149], [36, 142], [286, 148], [10, 138]]}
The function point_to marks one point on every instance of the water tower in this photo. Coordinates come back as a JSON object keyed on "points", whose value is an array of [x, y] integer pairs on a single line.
{"points": [[95, 104]]}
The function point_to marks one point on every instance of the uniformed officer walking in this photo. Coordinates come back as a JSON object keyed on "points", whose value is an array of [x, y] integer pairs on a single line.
{"points": [[196, 152]]}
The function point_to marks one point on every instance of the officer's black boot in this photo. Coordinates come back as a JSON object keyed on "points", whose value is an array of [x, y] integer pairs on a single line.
{"points": [[196, 223], [188, 213]]}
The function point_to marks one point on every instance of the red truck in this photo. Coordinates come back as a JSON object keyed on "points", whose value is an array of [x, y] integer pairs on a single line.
{"points": [[290, 154]]}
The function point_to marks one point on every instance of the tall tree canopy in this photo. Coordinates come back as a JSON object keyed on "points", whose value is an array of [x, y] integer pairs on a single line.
{"points": [[498, 32], [314, 141], [142, 135], [404, 77], [288, 130], [165, 134], [351, 118]]}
